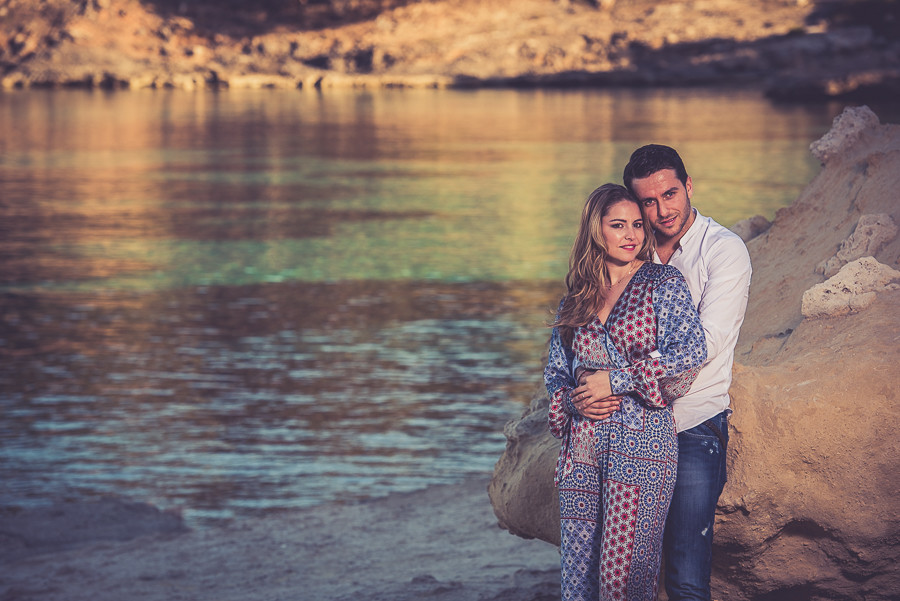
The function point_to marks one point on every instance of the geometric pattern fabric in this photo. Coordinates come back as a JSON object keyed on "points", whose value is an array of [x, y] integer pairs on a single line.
{"points": [[616, 476]]}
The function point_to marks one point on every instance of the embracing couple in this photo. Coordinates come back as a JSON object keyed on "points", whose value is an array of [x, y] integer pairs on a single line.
{"points": [[638, 376]]}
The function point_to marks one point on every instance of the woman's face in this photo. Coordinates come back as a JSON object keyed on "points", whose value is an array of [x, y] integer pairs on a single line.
{"points": [[623, 231]]}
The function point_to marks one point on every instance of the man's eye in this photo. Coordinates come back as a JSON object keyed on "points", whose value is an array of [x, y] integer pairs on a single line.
{"points": [[649, 203]]}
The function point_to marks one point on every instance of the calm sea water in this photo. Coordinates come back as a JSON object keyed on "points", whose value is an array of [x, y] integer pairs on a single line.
{"points": [[242, 302]]}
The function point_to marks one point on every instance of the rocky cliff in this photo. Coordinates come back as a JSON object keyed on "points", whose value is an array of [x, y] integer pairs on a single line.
{"points": [[792, 48], [812, 506]]}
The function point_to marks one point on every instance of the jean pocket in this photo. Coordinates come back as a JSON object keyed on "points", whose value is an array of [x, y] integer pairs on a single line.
{"points": [[708, 430]]}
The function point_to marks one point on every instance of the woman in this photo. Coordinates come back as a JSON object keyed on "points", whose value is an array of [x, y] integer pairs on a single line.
{"points": [[634, 320]]}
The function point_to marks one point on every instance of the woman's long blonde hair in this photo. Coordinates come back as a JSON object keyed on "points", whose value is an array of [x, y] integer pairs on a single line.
{"points": [[586, 282]]}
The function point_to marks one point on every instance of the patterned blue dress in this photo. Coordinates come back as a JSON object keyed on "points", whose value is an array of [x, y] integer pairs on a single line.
{"points": [[616, 476]]}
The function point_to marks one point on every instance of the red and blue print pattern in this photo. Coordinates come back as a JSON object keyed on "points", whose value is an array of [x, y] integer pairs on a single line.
{"points": [[616, 476]]}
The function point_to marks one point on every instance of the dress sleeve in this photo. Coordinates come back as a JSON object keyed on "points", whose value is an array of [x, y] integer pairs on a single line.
{"points": [[560, 381], [668, 372]]}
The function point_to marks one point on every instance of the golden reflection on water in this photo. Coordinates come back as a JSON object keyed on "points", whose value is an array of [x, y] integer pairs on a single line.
{"points": [[454, 178]]}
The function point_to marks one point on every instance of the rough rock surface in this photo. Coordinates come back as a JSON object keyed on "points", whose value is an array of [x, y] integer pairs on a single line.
{"points": [[871, 234], [812, 506], [852, 289], [845, 131], [792, 48]]}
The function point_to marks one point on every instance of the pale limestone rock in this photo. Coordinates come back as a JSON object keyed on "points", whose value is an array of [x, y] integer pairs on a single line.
{"points": [[845, 131], [750, 228], [528, 465], [852, 289], [871, 234]]}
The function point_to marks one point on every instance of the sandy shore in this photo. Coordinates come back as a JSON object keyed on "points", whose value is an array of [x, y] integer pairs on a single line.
{"points": [[442, 543]]}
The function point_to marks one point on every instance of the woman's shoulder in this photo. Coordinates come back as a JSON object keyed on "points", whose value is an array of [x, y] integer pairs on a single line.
{"points": [[562, 304]]}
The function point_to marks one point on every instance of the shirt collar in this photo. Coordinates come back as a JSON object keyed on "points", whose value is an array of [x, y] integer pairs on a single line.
{"points": [[694, 230]]}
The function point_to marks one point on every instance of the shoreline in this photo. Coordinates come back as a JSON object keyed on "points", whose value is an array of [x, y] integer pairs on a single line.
{"points": [[442, 542], [796, 51]]}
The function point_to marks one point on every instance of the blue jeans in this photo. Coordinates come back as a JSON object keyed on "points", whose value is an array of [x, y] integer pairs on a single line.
{"points": [[689, 527]]}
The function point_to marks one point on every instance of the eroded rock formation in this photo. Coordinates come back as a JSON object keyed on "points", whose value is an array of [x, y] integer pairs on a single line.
{"points": [[812, 506], [871, 234], [851, 290]]}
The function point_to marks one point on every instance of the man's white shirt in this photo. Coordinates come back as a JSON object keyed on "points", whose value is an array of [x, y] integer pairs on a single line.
{"points": [[716, 265]]}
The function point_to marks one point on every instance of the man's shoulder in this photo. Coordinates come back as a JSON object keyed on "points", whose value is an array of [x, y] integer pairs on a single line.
{"points": [[715, 230], [719, 238]]}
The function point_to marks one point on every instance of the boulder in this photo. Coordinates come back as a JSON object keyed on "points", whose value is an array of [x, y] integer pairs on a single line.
{"points": [[845, 131], [851, 290], [812, 506], [871, 233], [525, 499]]}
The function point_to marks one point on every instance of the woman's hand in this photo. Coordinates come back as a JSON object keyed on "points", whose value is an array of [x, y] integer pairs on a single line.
{"points": [[594, 398]]}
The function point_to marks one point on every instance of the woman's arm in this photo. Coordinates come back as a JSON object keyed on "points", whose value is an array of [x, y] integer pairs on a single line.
{"points": [[681, 348], [559, 382]]}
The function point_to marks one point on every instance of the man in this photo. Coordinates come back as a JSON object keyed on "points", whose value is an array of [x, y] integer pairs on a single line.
{"points": [[716, 265]]}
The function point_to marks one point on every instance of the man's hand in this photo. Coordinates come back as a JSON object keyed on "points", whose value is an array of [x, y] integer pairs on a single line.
{"points": [[593, 398]]}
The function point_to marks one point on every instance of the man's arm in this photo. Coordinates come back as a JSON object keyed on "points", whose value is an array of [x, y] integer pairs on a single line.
{"points": [[723, 299]]}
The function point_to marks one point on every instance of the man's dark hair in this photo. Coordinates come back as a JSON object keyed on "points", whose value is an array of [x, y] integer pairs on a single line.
{"points": [[651, 158]]}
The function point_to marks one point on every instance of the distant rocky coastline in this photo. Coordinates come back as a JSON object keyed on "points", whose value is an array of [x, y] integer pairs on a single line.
{"points": [[792, 49]]}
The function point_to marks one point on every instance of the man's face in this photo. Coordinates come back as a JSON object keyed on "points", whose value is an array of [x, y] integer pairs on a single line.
{"points": [[667, 202]]}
